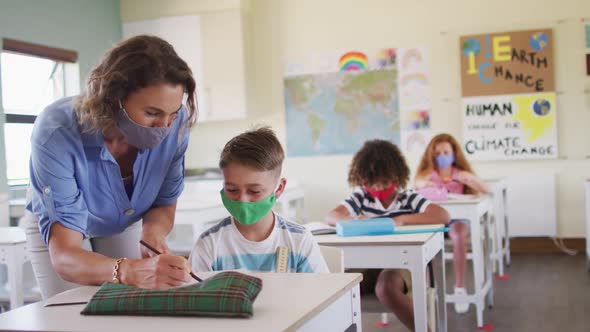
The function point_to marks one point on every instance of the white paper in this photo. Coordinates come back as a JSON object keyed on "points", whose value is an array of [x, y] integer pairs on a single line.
{"points": [[80, 295]]}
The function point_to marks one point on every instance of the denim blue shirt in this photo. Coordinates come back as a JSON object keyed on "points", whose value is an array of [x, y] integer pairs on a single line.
{"points": [[76, 181]]}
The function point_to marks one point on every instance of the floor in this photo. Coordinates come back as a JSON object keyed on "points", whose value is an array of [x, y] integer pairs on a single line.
{"points": [[545, 293]]}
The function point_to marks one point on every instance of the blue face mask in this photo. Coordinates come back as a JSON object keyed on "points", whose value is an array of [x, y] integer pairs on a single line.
{"points": [[139, 136], [445, 160]]}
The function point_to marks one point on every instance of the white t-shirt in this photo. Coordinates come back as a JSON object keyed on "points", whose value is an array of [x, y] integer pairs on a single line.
{"points": [[223, 247]]}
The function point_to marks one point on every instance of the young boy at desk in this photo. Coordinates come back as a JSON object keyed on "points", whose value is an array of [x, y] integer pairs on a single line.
{"points": [[380, 174], [251, 163]]}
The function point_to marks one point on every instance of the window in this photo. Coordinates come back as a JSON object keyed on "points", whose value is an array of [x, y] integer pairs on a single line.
{"points": [[32, 77]]}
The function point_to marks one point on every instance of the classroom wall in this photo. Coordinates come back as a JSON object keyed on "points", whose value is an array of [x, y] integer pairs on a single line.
{"points": [[281, 27], [87, 26]]}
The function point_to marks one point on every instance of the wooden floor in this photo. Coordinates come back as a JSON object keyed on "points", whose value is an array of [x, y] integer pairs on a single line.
{"points": [[545, 293]]}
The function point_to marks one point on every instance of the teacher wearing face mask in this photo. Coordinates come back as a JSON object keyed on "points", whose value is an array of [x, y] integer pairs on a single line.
{"points": [[106, 170]]}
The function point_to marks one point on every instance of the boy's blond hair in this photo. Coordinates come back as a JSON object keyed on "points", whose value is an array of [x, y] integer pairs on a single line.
{"points": [[258, 148]]}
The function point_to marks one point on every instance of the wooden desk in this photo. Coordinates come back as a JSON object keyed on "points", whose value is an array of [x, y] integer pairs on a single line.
{"points": [[477, 211], [408, 251], [287, 302]]}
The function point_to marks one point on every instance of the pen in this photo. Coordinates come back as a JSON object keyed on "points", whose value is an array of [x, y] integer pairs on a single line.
{"points": [[158, 253]]}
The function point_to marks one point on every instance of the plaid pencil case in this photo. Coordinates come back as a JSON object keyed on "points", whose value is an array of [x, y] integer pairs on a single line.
{"points": [[227, 294]]}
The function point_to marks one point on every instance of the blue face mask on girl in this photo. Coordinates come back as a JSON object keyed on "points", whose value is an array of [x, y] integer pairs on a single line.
{"points": [[445, 160]]}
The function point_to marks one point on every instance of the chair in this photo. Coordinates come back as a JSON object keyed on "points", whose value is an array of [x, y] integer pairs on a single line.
{"points": [[334, 258], [12, 253], [431, 305], [21, 285]]}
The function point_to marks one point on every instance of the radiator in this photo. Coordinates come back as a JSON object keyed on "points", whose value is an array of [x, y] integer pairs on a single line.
{"points": [[531, 204]]}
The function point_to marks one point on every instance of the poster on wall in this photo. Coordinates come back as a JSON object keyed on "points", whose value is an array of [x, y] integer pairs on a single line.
{"points": [[414, 100], [335, 101], [510, 126], [508, 90]]}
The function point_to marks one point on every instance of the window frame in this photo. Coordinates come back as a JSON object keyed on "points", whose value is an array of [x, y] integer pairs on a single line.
{"points": [[19, 47]]}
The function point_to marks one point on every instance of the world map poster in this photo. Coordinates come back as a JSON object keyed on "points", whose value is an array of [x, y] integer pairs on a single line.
{"points": [[334, 102]]}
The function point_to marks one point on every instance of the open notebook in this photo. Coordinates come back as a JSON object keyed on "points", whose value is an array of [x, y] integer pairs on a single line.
{"points": [[320, 228]]}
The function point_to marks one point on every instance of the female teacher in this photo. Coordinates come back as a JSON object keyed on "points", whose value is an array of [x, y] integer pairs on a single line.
{"points": [[105, 160]]}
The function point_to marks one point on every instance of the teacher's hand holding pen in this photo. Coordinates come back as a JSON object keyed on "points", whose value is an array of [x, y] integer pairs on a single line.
{"points": [[147, 245], [163, 271]]}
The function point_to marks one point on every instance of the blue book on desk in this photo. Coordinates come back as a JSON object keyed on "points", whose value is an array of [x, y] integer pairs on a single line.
{"points": [[377, 226]]}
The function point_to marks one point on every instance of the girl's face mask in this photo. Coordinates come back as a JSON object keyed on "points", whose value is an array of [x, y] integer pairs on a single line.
{"points": [[445, 160]]}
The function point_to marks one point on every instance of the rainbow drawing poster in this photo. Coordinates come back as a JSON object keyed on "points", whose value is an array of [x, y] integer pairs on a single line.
{"points": [[341, 61], [414, 100], [353, 61]]}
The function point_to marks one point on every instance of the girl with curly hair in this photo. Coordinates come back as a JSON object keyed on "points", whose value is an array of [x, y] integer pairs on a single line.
{"points": [[380, 175]]}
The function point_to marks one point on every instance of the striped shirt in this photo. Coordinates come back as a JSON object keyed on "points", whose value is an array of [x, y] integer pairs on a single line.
{"points": [[223, 247], [363, 203]]}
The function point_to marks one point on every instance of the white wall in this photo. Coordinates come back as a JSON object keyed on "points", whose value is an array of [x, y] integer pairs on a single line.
{"points": [[281, 27]]}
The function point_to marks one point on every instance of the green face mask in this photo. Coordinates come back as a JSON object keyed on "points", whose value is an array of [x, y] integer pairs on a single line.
{"points": [[248, 213]]}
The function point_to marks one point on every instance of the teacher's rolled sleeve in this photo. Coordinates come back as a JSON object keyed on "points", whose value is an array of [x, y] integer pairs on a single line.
{"points": [[58, 198]]}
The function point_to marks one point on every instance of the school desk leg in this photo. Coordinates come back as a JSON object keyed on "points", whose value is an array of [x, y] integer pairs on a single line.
{"points": [[440, 283], [506, 230], [489, 263], [356, 308], [419, 286], [478, 265], [497, 230], [498, 251], [14, 262]]}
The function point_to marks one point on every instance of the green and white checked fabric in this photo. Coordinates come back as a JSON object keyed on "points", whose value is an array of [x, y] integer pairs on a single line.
{"points": [[227, 294]]}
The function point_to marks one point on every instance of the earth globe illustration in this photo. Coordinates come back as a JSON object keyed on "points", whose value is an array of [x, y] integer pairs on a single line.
{"points": [[541, 107], [471, 45], [539, 41]]}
